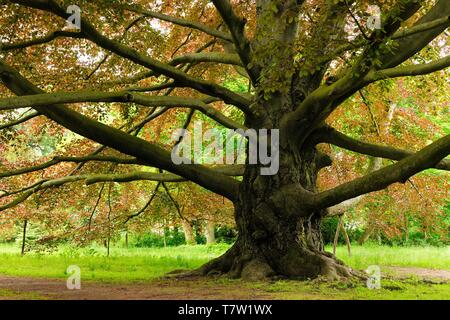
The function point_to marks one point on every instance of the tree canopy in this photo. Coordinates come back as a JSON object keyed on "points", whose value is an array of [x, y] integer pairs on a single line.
{"points": [[95, 106]]}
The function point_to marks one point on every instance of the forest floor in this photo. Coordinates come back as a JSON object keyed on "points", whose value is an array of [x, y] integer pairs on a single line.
{"points": [[419, 273]]}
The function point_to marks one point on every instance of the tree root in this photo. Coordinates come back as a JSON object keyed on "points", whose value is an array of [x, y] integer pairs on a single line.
{"points": [[299, 264]]}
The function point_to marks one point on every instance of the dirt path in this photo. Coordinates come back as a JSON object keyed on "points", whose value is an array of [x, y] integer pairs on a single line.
{"points": [[426, 274], [192, 289], [21, 287]]}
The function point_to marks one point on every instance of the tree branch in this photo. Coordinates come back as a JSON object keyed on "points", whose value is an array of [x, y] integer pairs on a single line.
{"points": [[409, 46], [401, 171], [48, 99], [330, 135], [406, 71], [318, 105], [236, 26], [41, 40], [149, 202], [57, 160], [89, 32], [151, 154], [216, 57], [22, 119], [441, 22], [90, 179], [181, 22]]}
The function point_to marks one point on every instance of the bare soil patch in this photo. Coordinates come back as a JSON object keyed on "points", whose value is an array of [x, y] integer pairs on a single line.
{"points": [[13, 288], [192, 289]]}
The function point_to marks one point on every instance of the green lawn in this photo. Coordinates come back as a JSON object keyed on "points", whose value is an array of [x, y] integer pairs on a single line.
{"points": [[422, 257], [123, 265], [137, 264]]}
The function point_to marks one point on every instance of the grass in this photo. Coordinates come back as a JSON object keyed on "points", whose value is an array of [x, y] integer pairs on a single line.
{"points": [[140, 264], [128, 266], [123, 265], [408, 289], [7, 294], [421, 257]]}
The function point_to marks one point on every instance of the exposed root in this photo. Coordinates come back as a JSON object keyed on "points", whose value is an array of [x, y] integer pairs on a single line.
{"points": [[305, 264], [298, 264], [180, 274]]}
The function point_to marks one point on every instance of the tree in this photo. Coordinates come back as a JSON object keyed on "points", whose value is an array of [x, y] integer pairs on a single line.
{"points": [[303, 60]]}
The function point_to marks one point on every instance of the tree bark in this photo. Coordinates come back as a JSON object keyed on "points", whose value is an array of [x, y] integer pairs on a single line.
{"points": [[210, 232], [272, 241]]}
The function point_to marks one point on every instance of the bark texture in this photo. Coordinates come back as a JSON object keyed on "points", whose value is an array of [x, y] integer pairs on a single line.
{"points": [[188, 232], [276, 237], [210, 232]]}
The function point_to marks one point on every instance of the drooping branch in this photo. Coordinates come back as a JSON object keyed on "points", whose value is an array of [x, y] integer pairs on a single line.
{"points": [[151, 154], [52, 183], [330, 135], [144, 208], [57, 160], [90, 179]]}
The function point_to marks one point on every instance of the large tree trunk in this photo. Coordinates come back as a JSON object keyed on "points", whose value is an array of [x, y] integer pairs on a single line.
{"points": [[271, 241]]}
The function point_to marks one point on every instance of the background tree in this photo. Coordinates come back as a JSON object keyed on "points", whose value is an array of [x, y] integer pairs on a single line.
{"points": [[303, 60]]}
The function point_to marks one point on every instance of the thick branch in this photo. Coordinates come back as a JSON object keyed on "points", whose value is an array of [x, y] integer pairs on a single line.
{"points": [[151, 154], [150, 176], [330, 135], [45, 39], [236, 26], [48, 99], [401, 171], [406, 71], [58, 160], [180, 22], [409, 46]]}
